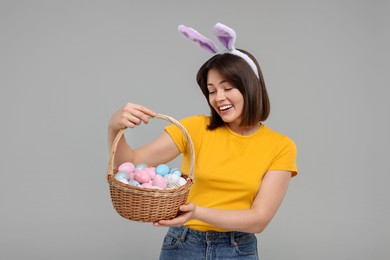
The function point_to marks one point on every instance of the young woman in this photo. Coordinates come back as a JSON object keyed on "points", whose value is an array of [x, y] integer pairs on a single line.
{"points": [[242, 167]]}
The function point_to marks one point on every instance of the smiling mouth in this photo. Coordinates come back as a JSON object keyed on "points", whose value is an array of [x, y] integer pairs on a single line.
{"points": [[225, 107]]}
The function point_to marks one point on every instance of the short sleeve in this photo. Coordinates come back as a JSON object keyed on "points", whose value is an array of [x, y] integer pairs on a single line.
{"points": [[285, 157], [193, 125]]}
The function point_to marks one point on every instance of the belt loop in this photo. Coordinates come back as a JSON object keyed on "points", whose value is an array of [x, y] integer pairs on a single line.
{"points": [[184, 234], [232, 241]]}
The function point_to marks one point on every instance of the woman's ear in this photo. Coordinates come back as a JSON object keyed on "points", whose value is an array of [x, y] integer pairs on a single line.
{"points": [[202, 41]]}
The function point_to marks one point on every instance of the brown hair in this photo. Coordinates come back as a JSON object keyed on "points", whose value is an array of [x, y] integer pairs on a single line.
{"points": [[239, 74]]}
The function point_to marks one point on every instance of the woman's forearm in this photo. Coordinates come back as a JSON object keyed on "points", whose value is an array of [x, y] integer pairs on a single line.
{"points": [[123, 153], [129, 116], [246, 220], [253, 220]]}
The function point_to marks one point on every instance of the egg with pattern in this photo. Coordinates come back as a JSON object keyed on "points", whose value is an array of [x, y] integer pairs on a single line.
{"points": [[121, 175], [141, 176], [126, 167], [159, 181]]}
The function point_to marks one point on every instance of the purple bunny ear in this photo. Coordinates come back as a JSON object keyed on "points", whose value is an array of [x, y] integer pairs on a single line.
{"points": [[226, 35], [198, 38]]}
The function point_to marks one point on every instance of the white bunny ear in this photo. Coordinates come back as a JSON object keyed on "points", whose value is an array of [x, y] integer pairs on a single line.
{"points": [[202, 41], [226, 36]]}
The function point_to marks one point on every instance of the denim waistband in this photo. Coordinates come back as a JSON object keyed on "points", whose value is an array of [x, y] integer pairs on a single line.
{"points": [[183, 233]]}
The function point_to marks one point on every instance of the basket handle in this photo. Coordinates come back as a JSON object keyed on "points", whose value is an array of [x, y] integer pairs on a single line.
{"points": [[169, 119]]}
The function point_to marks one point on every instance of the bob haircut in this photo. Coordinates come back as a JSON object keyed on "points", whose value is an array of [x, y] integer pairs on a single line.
{"points": [[240, 75]]}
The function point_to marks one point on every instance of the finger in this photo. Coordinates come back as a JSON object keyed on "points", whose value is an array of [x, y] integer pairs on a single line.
{"points": [[134, 119], [138, 113], [129, 121], [187, 207], [143, 109], [127, 124], [147, 111], [157, 224], [167, 223], [142, 116], [184, 208], [178, 221]]}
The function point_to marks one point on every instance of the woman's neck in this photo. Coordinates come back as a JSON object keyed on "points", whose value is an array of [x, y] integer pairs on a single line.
{"points": [[244, 130]]}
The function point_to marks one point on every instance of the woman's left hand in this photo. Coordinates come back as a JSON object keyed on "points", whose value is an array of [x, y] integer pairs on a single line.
{"points": [[187, 212]]}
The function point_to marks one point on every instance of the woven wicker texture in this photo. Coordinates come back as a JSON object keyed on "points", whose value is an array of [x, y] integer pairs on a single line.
{"points": [[143, 204]]}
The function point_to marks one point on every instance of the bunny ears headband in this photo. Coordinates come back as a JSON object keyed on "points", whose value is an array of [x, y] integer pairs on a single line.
{"points": [[225, 35]]}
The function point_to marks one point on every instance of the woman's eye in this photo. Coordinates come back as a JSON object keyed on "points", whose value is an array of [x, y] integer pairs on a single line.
{"points": [[211, 92], [227, 89]]}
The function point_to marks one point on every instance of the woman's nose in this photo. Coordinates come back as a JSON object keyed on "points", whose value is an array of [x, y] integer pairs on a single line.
{"points": [[220, 96]]}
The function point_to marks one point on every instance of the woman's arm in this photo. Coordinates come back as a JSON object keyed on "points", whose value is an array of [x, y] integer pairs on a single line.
{"points": [[254, 220], [161, 150]]}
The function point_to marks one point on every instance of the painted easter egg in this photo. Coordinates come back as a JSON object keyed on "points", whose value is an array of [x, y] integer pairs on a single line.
{"points": [[173, 169], [177, 172], [162, 169], [171, 178], [121, 175], [173, 186], [182, 181], [131, 176], [147, 185], [151, 171], [126, 167], [141, 176], [134, 183], [159, 181], [140, 166], [124, 181]]}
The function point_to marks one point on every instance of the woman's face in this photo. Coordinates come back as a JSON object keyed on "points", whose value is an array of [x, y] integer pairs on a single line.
{"points": [[227, 100]]}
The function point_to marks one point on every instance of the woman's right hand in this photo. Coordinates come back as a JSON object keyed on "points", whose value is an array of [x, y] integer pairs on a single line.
{"points": [[162, 150], [130, 116]]}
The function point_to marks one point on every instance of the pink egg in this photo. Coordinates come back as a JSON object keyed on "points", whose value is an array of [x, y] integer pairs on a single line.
{"points": [[131, 176], [159, 181], [141, 176], [126, 167], [150, 171], [147, 185]]}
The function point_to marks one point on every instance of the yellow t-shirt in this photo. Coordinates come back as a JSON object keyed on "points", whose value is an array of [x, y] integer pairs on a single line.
{"points": [[229, 167]]}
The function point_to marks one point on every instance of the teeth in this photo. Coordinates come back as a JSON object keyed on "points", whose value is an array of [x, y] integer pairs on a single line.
{"points": [[225, 107]]}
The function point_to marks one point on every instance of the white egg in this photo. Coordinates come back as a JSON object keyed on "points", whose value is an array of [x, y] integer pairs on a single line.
{"points": [[173, 186], [124, 181], [134, 183], [172, 178], [182, 181]]}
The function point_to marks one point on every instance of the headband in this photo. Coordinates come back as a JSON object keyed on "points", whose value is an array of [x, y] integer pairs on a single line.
{"points": [[225, 35]]}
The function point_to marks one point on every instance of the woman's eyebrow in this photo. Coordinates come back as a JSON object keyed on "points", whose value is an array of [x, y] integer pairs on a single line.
{"points": [[220, 83]]}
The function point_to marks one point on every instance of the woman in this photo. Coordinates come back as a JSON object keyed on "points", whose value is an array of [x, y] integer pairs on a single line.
{"points": [[242, 167]]}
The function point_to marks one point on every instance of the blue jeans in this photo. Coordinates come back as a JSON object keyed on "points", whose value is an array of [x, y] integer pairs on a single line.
{"points": [[185, 243]]}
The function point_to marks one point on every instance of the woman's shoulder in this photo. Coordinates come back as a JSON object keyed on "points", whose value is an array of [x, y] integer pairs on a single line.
{"points": [[277, 136], [198, 120]]}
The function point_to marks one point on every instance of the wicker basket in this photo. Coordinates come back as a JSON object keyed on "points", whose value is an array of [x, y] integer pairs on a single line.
{"points": [[144, 204]]}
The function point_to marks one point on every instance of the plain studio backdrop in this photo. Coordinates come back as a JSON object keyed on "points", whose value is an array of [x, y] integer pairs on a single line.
{"points": [[66, 66]]}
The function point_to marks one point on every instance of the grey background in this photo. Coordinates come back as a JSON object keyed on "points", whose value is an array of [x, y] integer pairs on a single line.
{"points": [[66, 66]]}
